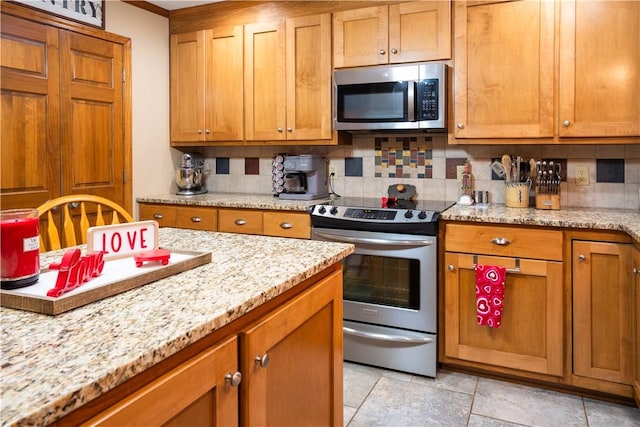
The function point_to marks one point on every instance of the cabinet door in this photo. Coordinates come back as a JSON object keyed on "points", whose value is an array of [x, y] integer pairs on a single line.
{"points": [[30, 116], [308, 77], [599, 68], [504, 60], [264, 81], [636, 355], [360, 37], [197, 218], [531, 335], [92, 117], [419, 31], [602, 325], [224, 100], [187, 86], [195, 393], [287, 224], [292, 361]]}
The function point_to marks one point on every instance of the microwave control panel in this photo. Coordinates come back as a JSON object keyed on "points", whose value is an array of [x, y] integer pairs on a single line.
{"points": [[428, 99]]}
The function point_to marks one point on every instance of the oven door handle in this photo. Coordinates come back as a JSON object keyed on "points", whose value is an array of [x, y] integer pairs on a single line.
{"points": [[369, 241], [385, 337]]}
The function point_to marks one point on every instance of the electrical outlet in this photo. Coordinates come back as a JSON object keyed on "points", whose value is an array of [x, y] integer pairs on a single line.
{"points": [[582, 175], [459, 172]]}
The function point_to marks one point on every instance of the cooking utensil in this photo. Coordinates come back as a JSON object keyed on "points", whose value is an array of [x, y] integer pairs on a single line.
{"points": [[506, 164]]}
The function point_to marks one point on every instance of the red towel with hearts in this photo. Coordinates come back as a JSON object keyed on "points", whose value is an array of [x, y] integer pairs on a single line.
{"points": [[490, 283]]}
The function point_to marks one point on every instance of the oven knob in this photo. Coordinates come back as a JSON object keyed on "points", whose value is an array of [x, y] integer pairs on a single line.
{"points": [[333, 210], [408, 214], [422, 215], [322, 210]]}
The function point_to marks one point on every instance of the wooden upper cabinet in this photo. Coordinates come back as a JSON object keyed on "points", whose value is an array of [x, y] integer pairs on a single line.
{"points": [[403, 32], [206, 85], [264, 81], [599, 91], [504, 67], [29, 78], [288, 79]]}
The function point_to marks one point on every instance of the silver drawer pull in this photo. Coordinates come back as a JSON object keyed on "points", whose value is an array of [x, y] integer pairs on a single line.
{"points": [[262, 361], [240, 222], [196, 219], [286, 225], [158, 216], [500, 241]]}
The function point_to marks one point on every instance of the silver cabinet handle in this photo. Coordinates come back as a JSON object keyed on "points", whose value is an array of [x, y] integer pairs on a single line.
{"points": [[289, 129], [199, 131], [262, 361], [158, 216], [582, 258], [451, 267], [196, 219], [207, 131], [500, 241], [280, 130], [286, 225], [234, 379], [240, 222], [566, 123], [382, 52], [394, 50], [73, 205], [636, 271], [460, 126]]}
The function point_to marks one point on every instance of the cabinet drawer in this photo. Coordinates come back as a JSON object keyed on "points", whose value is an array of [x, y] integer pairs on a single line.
{"points": [[198, 218], [504, 241], [166, 215], [240, 221], [287, 224]]}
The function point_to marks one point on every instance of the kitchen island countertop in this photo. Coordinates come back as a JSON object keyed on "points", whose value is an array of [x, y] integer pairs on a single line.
{"points": [[626, 220], [53, 365]]}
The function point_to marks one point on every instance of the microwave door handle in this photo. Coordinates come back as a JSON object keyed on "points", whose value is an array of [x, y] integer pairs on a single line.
{"points": [[411, 101]]}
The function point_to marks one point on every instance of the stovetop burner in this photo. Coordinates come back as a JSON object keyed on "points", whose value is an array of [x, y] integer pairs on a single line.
{"points": [[382, 215]]}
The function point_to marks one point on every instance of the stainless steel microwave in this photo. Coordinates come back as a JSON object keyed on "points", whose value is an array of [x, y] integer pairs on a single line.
{"points": [[404, 96]]}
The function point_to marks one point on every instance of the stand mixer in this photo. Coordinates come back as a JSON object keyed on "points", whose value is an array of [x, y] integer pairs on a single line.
{"points": [[190, 175]]}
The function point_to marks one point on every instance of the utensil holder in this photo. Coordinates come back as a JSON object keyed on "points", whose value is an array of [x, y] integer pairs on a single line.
{"points": [[516, 194], [548, 201]]}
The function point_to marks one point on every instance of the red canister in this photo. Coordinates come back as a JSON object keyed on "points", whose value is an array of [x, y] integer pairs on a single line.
{"points": [[19, 247]]}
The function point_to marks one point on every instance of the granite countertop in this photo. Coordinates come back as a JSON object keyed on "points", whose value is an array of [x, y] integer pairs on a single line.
{"points": [[52, 365], [233, 200], [625, 220]]}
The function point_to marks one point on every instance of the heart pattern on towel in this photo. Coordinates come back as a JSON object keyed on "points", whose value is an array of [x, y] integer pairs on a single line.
{"points": [[490, 285]]}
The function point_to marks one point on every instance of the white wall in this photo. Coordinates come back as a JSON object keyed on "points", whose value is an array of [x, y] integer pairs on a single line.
{"points": [[153, 159]]}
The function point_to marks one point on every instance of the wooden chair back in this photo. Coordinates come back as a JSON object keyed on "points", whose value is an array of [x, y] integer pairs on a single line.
{"points": [[119, 215]]}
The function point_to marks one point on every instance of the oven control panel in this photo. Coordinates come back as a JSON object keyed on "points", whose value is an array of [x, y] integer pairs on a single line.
{"points": [[387, 215]]}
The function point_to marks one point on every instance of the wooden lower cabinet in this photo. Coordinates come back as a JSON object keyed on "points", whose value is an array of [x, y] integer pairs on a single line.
{"points": [[530, 338], [602, 315], [636, 354], [195, 393], [292, 362], [192, 217], [287, 224]]}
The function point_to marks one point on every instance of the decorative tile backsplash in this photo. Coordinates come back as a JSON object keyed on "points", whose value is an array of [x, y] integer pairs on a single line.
{"points": [[374, 161]]}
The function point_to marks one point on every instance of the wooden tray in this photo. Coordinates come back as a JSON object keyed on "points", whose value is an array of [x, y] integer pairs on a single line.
{"points": [[118, 275]]}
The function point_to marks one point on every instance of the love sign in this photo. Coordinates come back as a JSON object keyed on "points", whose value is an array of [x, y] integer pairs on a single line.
{"points": [[120, 240]]}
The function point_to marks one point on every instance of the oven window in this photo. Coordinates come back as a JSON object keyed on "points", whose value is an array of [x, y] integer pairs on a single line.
{"points": [[373, 102], [382, 280]]}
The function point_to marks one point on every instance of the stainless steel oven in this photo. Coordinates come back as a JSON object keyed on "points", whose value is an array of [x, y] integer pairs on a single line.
{"points": [[390, 288]]}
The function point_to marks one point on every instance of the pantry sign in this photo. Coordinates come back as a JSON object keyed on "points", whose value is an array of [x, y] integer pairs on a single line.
{"points": [[89, 12]]}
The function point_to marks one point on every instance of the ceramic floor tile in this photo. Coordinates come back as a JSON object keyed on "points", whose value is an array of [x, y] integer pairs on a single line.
{"points": [[608, 414], [480, 421], [527, 405], [349, 412], [358, 381], [454, 381], [399, 403]]}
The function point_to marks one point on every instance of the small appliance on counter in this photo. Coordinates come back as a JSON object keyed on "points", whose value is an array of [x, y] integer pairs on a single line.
{"points": [[190, 175], [302, 177]]}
